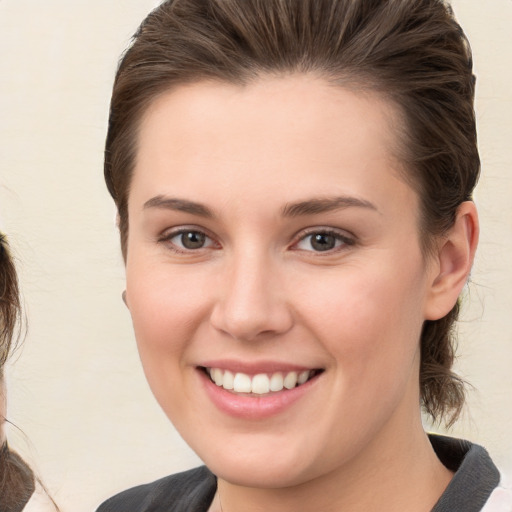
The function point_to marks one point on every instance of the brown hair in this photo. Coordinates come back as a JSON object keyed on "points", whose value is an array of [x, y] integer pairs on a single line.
{"points": [[9, 302], [17, 481], [411, 51]]}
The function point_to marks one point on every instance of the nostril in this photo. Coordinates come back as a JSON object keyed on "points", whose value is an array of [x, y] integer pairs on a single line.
{"points": [[251, 324], [249, 303]]}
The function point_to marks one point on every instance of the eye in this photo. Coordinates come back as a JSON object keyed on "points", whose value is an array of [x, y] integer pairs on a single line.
{"points": [[323, 241], [188, 240]]}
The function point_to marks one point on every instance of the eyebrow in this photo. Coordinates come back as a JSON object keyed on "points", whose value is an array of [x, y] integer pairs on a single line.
{"points": [[322, 205], [181, 205], [309, 207]]}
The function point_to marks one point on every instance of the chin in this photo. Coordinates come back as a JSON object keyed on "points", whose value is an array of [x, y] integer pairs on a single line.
{"points": [[271, 473], [260, 466]]}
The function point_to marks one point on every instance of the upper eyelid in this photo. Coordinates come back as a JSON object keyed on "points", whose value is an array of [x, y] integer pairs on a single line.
{"points": [[347, 239], [169, 233], [342, 233]]}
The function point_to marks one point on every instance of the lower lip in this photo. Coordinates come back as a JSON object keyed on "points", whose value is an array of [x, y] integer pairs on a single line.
{"points": [[254, 407]]}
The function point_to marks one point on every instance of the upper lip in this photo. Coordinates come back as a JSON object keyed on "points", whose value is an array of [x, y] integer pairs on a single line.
{"points": [[256, 367]]}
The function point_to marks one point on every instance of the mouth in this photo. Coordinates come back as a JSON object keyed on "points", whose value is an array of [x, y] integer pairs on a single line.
{"points": [[260, 383]]}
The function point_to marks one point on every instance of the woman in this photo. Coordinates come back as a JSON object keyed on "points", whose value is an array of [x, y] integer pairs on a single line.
{"points": [[16, 479], [19, 489], [294, 182]]}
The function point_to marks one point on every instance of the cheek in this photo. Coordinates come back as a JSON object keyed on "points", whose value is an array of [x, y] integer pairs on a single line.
{"points": [[370, 321], [167, 306], [164, 302], [362, 301]]}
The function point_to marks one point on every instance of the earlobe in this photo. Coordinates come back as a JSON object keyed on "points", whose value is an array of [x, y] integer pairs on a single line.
{"points": [[455, 257], [123, 296]]}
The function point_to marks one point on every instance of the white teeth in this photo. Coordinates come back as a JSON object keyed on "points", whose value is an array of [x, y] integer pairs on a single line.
{"points": [[228, 380], [303, 377], [276, 382], [259, 384], [242, 383], [290, 381], [217, 376]]}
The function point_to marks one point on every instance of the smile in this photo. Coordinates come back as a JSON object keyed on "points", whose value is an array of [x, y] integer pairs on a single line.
{"points": [[261, 383]]}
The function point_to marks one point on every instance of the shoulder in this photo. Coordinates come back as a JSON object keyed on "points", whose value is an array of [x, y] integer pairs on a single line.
{"points": [[189, 491], [476, 485]]}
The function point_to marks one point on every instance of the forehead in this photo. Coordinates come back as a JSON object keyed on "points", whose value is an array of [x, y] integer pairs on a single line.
{"points": [[293, 133], [300, 105]]}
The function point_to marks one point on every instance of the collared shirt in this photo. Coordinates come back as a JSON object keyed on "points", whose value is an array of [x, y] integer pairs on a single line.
{"points": [[475, 486]]}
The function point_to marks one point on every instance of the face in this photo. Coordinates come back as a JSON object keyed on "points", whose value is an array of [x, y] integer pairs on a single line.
{"points": [[275, 277]]}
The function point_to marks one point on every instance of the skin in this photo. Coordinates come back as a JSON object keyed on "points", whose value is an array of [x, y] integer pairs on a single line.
{"points": [[259, 291]]}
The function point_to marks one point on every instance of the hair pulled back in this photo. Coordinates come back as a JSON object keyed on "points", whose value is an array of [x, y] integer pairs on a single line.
{"points": [[413, 52]]}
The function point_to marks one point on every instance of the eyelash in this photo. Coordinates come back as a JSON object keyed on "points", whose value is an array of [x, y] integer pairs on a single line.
{"points": [[346, 241], [168, 236]]}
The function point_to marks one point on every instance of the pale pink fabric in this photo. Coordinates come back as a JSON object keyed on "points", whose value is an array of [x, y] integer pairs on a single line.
{"points": [[39, 502], [500, 500]]}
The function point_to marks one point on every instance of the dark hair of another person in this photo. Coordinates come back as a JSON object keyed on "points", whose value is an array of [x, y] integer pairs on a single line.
{"points": [[17, 482], [411, 52]]}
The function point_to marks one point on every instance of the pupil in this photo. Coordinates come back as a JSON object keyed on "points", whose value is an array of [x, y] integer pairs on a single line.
{"points": [[323, 242], [192, 240]]}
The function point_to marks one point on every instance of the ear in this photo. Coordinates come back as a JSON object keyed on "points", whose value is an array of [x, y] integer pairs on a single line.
{"points": [[452, 262]]}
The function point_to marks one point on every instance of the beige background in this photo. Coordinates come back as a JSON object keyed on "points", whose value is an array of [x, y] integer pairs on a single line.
{"points": [[90, 425]]}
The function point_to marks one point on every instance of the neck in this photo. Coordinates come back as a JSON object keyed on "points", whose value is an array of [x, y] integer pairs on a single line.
{"points": [[399, 471]]}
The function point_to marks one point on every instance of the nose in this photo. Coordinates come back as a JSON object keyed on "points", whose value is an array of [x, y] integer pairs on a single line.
{"points": [[251, 304]]}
